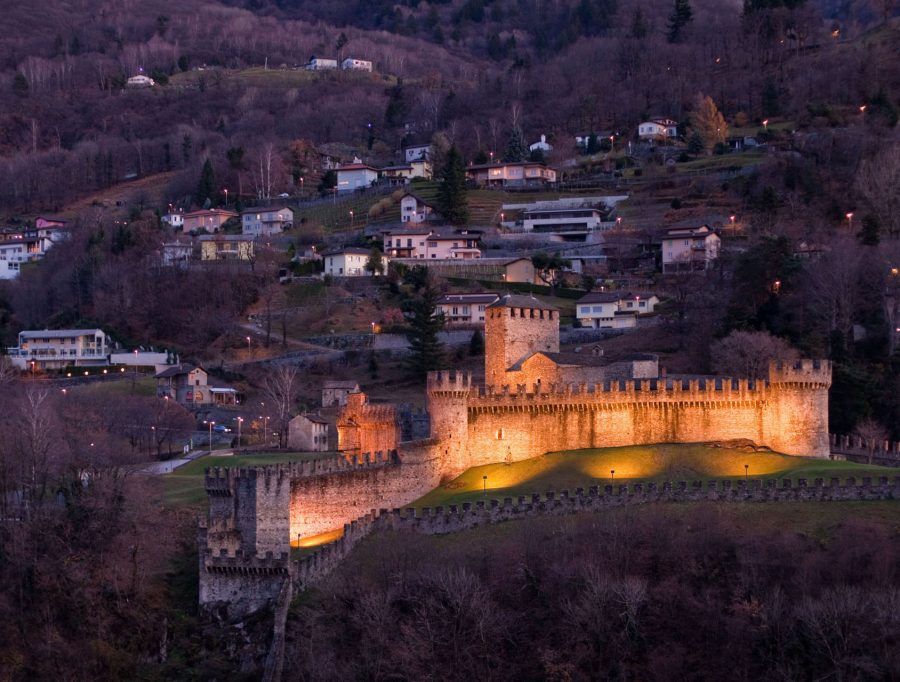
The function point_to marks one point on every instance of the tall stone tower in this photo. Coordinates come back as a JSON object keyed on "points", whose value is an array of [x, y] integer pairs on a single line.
{"points": [[514, 327], [797, 412]]}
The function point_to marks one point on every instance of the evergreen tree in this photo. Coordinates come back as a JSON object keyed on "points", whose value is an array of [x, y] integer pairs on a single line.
{"points": [[476, 345], [451, 197], [425, 321], [516, 148], [681, 16], [20, 85], [206, 188], [375, 263]]}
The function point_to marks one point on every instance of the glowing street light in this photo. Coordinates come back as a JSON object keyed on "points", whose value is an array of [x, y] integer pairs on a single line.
{"points": [[240, 420], [248, 344], [849, 218], [765, 123], [862, 109], [731, 218], [226, 195], [211, 424]]}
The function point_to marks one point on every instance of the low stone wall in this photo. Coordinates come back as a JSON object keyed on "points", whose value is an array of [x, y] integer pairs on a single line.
{"points": [[455, 518], [853, 448]]}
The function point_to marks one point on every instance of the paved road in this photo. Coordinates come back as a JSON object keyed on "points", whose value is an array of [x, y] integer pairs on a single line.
{"points": [[168, 466]]}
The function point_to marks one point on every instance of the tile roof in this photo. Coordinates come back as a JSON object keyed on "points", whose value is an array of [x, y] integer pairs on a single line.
{"points": [[521, 301]]}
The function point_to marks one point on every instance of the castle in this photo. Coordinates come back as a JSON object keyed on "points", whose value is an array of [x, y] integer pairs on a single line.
{"points": [[535, 400]]}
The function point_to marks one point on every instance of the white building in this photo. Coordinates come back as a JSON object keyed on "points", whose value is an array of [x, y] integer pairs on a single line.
{"points": [[689, 249], [416, 152], [403, 173], [413, 210], [319, 64], [658, 129], [465, 310], [141, 81], [355, 175], [58, 348], [27, 245], [613, 310], [541, 144], [174, 219], [351, 64], [430, 244], [349, 262], [261, 222], [176, 254]]}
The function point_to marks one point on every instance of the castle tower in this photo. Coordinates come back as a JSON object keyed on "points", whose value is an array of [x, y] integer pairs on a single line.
{"points": [[515, 327], [448, 395], [797, 413]]}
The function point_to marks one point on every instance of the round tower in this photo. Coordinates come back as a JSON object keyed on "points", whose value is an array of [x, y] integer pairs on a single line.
{"points": [[448, 396], [797, 412], [515, 327]]}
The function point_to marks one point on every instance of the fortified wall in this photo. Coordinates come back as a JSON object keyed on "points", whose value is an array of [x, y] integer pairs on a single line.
{"points": [[536, 400]]}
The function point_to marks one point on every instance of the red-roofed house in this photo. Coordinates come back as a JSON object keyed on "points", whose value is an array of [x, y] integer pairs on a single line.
{"points": [[355, 175]]}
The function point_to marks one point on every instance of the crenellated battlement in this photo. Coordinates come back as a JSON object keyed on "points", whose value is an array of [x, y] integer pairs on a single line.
{"points": [[221, 481], [455, 382], [627, 392], [813, 373]]}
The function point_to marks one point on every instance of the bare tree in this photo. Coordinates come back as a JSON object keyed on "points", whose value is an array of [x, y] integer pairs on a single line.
{"points": [[872, 435], [748, 354], [878, 182], [281, 391]]}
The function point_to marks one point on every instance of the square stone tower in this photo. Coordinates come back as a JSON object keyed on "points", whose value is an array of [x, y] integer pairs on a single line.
{"points": [[515, 327]]}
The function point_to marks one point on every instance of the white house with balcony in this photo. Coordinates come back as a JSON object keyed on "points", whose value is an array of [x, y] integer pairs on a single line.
{"points": [[349, 262], [614, 310], [262, 222], [689, 249], [356, 175], [465, 310], [59, 348], [19, 247], [353, 64], [414, 210], [658, 129], [428, 244]]}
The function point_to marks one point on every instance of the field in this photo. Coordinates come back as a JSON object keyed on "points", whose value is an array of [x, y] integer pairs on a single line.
{"points": [[571, 469], [184, 486]]}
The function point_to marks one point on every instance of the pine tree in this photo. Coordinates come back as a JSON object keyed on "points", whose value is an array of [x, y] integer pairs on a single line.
{"points": [[206, 188], [708, 122], [476, 345], [425, 321], [516, 148], [375, 263], [681, 16], [451, 197]]}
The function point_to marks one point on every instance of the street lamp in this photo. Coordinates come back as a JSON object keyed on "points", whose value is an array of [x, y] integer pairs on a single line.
{"points": [[501, 218], [765, 123], [248, 344], [211, 424], [862, 109], [226, 195], [240, 420], [746, 471], [612, 474], [484, 481], [849, 217], [373, 334], [731, 218]]}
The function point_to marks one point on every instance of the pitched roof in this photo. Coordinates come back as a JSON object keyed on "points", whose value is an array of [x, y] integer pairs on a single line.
{"points": [[501, 164], [676, 232], [521, 301], [356, 166], [210, 211], [603, 297], [484, 297], [177, 370], [266, 209], [58, 333], [352, 385], [348, 249]]}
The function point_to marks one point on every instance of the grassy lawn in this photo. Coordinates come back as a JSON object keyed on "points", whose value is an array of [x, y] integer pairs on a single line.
{"points": [[583, 468], [144, 386], [184, 486]]}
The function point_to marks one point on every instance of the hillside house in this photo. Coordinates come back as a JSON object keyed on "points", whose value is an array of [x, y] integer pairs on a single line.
{"points": [[658, 129], [353, 64], [417, 152], [217, 247], [265, 221], [176, 254], [311, 433], [582, 140], [320, 64], [18, 247], [58, 348], [688, 249], [403, 173], [356, 175], [513, 174], [414, 210], [432, 244], [334, 392], [209, 219], [174, 219], [465, 310], [349, 262], [541, 145], [599, 310]]}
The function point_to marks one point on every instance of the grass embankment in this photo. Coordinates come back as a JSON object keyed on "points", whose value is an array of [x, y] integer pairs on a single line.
{"points": [[184, 487], [572, 469]]}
